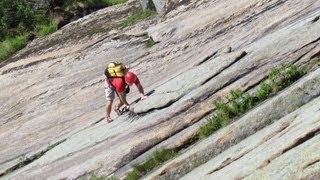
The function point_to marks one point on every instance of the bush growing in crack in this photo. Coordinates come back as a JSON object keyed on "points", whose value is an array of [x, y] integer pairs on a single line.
{"points": [[150, 42], [158, 157], [94, 177], [239, 102]]}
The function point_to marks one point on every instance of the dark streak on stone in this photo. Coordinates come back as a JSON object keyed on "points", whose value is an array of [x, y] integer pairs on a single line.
{"points": [[247, 20], [297, 143], [38, 95], [92, 84], [16, 116], [207, 58], [315, 19], [229, 160], [159, 108], [98, 121], [302, 140], [183, 108], [226, 163], [55, 63], [95, 43], [243, 54], [29, 160], [315, 55], [311, 163], [26, 65], [208, 94]]}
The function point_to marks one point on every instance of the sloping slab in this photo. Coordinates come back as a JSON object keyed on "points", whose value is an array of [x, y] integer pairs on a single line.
{"points": [[289, 100], [179, 86], [288, 149]]}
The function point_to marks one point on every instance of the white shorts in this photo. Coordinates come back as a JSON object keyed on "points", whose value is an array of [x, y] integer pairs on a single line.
{"points": [[110, 94]]}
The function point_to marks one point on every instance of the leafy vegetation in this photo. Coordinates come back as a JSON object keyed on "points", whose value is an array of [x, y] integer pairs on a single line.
{"points": [[284, 76], [315, 61], [151, 42], [43, 30], [94, 177], [136, 16], [16, 17], [239, 102], [11, 45], [27, 160], [155, 160], [19, 20]]}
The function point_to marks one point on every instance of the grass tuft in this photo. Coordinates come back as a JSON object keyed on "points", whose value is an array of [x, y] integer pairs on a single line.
{"points": [[264, 91], [94, 177], [45, 29], [11, 45], [155, 160], [151, 42], [312, 63]]}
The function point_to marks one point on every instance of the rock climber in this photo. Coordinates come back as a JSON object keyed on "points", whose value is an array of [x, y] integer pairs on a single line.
{"points": [[120, 86]]}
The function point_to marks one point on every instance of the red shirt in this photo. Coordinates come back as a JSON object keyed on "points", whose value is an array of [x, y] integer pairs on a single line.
{"points": [[119, 84]]}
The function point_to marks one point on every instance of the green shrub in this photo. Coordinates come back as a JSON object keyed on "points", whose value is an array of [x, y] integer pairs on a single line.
{"points": [[263, 91], [10, 45], [223, 108], [238, 102], [14, 16], [41, 17], [315, 61], [292, 73], [94, 177], [284, 75], [133, 175], [18, 17], [150, 42], [156, 159], [47, 28]]}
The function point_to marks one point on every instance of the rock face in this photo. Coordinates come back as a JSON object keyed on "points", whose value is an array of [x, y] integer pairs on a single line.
{"points": [[287, 149], [158, 5], [162, 6], [52, 98]]}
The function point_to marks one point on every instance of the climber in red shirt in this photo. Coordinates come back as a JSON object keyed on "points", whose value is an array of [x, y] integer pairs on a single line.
{"points": [[119, 85]]}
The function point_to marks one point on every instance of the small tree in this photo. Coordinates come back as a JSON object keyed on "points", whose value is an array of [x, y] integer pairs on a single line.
{"points": [[16, 16]]}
